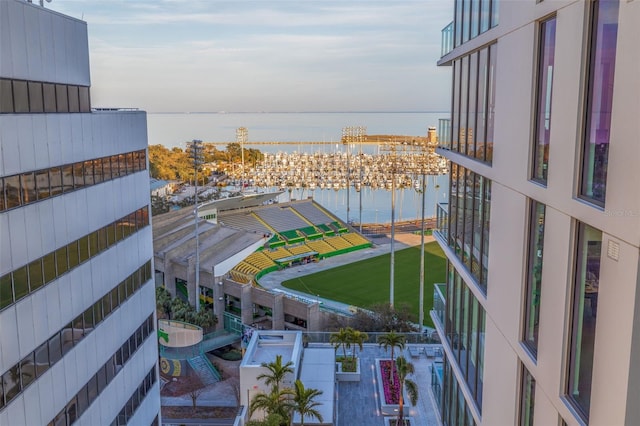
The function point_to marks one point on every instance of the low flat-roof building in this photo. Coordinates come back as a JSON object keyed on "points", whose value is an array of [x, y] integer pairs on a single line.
{"points": [[315, 367]]}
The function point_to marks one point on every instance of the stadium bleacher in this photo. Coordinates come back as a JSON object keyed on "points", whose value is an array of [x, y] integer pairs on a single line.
{"points": [[297, 229]]}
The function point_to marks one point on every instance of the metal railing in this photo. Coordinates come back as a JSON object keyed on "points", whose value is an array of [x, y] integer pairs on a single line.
{"points": [[412, 338], [442, 221], [444, 133], [440, 302], [446, 42]]}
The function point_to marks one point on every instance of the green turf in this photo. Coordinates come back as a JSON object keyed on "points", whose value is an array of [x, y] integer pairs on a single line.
{"points": [[366, 282]]}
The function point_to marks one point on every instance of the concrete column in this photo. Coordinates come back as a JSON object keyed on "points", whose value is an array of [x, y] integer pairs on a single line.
{"points": [[191, 280], [278, 312], [218, 303], [313, 317], [246, 304]]}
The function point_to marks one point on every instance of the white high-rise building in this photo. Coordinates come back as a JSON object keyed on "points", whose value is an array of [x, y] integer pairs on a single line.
{"points": [[77, 329], [540, 316]]}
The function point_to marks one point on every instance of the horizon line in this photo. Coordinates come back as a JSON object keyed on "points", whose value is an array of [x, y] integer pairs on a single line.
{"points": [[298, 112]]}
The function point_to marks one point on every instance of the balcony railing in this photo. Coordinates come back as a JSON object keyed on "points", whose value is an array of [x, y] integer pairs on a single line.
{"points": [[442, 220], [444, 133], [440, 302], [446, 45]]}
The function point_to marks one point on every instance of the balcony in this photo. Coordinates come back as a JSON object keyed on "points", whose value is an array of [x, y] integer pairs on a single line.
{"points": [[446, 42], [440, 302], [442, 221], [444, 133]]}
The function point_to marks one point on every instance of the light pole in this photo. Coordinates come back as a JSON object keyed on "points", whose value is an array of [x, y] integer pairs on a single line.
{"points": [[393, 228], [424, 192], [194, 149]]}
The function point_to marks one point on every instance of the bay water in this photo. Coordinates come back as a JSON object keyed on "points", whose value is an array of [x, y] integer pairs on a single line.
{"points": [[369, 205]]}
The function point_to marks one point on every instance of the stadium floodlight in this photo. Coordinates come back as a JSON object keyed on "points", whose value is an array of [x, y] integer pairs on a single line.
{"points": [[194, 150]]}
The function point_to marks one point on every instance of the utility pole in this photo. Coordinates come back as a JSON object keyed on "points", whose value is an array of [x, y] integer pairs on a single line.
{"points": [[194, 149]]}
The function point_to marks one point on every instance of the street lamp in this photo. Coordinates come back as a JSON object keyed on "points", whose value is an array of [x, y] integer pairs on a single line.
{"points": [[194, 149]]}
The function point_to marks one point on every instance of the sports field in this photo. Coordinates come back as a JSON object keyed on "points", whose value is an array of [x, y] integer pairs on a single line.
{"points": [[366, 282]]}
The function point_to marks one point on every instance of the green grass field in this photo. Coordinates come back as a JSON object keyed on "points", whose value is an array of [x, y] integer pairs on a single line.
{"points": [[366, 282]]}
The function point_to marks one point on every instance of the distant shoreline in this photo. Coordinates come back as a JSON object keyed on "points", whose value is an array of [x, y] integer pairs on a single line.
{"points": [[299, 112]]}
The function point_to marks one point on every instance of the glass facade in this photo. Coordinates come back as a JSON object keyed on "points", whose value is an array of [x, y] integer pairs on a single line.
{"points": [[19, 96], [534, 276], [97, 384], [604, 32], [464, 329], [584, 313], [546, 57], [472, 117], [16, 379], [454, 408], [33, 186], [527, 398], [469, 211], [474, 17], [24, 280]]}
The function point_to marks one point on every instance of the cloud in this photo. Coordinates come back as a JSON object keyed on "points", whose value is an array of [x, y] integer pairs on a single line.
{"points": [[194, 55]]}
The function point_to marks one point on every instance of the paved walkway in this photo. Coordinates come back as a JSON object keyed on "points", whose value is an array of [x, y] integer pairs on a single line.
{"points": [[358, 403]]}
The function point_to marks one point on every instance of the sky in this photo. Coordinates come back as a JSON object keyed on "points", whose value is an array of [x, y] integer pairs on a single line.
{"points": [[265, 55]]}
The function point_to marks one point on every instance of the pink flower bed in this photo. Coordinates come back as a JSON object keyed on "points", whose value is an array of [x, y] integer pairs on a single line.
{"points": [[391, 390]]}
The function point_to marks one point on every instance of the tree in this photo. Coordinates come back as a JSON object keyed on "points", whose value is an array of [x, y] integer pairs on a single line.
{"points": [[163, 301], [392, 340], [277, 373], [194, 394], [274, 402], [271, 420], [383, 317], [303, 402], [357, 338], [404, 368], [341, 339]]}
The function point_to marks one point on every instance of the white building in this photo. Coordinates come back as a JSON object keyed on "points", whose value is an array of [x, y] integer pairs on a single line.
{"points": [[77, 329], [540, 318]]}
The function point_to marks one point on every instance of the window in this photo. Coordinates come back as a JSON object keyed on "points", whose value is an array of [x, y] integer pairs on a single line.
{"points": [[49, 94], [584, 313], [74, 103], [28, 187], [464, 329], [42, 184], [55, 180], [6, 98], [62, 264], [527, 397], [595, 155], [67, 178], [20, 96], [534, 277], [12, 194], [20, 283], [2, 203], [36, 102], [85, 103], [6, 290], [61, 98], [36, 276], [546, 57]]}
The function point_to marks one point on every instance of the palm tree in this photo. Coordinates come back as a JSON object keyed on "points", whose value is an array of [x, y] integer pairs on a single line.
{"points": [[277, 373], [392, 340], [357, 338], [341, 338], [404, 368], [274, 402], [303, 402]]}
